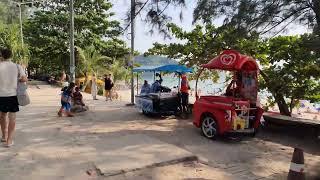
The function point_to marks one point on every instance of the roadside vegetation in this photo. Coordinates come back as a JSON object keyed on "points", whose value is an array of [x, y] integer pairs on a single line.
{"points": [[290, 65]]}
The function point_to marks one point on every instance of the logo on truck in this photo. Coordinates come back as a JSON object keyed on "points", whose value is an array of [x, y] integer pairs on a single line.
{"points": [[228, 59]]}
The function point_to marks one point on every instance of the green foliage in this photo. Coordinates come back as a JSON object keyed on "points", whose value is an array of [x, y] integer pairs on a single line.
{"points": [[293, 69], [10, 12], [10, 38], [256, 14], [118, 71], [315, 98], [204, 43], [90, 61], [155, 13], [262, 16], [48, 32], [100, 91], [286, 74]]}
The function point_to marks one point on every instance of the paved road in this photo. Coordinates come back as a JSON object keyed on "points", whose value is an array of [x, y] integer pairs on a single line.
{"points": [[48, 147]]}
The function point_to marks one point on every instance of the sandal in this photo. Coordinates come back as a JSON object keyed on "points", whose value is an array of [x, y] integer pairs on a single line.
{"points": [[9, 145], [3, 140]]}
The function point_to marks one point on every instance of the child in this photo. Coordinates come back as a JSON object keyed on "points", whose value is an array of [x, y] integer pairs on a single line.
{"points": [[66, 98]]}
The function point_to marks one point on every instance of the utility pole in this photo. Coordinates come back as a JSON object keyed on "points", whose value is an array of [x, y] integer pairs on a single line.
{"points": [[72, 60], [19, 5], [20, 21], [133, 12]]}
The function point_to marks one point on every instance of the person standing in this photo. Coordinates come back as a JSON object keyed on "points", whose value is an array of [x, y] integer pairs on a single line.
{"points": [[63, 79], [94, 88], [108, 85], [184, 89], [10, 74]]}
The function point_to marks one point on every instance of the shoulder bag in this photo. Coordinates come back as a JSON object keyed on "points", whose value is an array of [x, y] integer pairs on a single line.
{"points": [[22, 94]]}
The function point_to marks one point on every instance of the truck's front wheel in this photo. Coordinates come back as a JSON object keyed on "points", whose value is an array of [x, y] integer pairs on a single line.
{"points": [[209, 127]]}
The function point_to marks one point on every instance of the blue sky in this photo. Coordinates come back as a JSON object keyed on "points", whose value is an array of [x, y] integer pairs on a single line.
{"points": [[144, 40]]}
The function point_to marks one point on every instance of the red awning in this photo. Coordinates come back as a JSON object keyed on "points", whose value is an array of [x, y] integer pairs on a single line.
{"points": [[232, 60]]}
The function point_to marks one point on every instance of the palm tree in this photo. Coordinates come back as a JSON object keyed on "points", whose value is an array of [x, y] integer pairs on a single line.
{"points": [[91, 62], [118, 71]]}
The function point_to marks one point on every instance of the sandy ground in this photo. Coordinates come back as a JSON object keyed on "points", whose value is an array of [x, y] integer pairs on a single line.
{"points": [[48, 146]]}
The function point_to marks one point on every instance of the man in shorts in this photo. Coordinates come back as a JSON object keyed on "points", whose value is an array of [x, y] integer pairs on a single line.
{"points": [[108, 85], [9, 73]]}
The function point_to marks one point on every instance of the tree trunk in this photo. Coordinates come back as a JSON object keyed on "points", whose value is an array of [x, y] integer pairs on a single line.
{"points": [[279, 98], [86, 82], [291, 105]]}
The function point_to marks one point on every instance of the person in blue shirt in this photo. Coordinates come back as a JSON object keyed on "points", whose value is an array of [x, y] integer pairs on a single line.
{"points": [[145, 89], [156, 87], [66, 97]]}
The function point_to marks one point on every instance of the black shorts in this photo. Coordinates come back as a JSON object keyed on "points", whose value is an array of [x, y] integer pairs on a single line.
{"points": [[184, 99], [9, 104]]}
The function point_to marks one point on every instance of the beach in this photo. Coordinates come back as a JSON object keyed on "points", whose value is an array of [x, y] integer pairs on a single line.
{"points": [[304, 113], [49, 147]]}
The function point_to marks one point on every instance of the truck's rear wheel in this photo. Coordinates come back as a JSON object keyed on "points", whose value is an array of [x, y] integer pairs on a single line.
{"points": [[209, 127]]}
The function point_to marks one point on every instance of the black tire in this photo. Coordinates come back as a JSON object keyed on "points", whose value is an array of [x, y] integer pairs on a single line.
{"points": [[209, 127]]}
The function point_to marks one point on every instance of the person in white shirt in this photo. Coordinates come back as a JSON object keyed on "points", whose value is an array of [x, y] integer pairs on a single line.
{"points": [[9, 73], [94, 87]]}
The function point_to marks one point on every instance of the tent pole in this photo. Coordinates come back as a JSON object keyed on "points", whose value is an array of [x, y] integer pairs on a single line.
{"points": [[179, 82], [137, 83]]}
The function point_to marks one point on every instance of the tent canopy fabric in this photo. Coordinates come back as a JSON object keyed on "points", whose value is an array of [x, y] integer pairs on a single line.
{"points": [[144, 69], [171, 68], [232, 60]]}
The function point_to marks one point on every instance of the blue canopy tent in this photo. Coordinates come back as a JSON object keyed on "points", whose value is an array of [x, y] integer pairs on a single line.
{"points": [[165, 68], [170, 68], [145, 69], [155, 103]]}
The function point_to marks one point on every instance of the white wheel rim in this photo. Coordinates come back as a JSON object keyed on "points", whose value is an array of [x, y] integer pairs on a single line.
{"points": [[209, 127]]}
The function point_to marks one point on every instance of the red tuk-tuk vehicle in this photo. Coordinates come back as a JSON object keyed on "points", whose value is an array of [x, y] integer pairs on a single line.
{"points": [[237, 111]]}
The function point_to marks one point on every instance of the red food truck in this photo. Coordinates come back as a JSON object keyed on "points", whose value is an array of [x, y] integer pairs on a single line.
{"points": [[238, 110]]}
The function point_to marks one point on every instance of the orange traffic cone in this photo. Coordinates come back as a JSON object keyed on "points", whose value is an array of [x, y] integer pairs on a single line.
{"points": [[296, 171]]}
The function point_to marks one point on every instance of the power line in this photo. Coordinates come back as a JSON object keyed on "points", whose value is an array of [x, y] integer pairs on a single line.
{"points": [[144, 4]]}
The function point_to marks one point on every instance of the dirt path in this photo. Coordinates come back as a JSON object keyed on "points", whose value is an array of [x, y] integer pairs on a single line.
{"points": [[48, 147]]}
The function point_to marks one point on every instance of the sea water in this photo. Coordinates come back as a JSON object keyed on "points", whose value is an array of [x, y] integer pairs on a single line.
{"points": [[205, 87]]}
